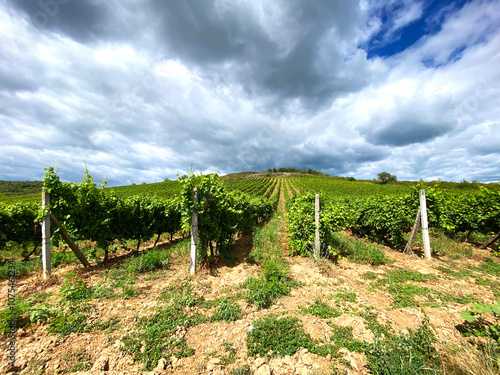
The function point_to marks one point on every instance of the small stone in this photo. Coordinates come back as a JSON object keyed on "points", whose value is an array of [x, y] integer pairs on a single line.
{"points": [[308, 359], [102, 363], [162, 364], [302, 371], [263, 370], [259, 362]]}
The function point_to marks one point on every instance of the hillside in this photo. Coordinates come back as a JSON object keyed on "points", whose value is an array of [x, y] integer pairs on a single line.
{"points": [[9, 188]]}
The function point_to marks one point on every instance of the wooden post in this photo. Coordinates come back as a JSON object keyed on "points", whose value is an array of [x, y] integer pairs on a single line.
{"points": [[317, 242], [425, 225], [69, 241], [194, 235], [490, 241], [413, 235], [46, 237]]}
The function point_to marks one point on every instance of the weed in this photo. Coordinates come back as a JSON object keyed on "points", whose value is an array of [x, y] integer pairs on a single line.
{"points": [[20, 312], [463, 299], [266, 241], [40, 297], [23, 269], [473, 358], [490, 266], [358, 251], [58, 258], [342, 337], [321, 309], [109, 325], [70, 320], [369, 275], [41, 314], [146, 262], [245, 370], [128, 292], [276, 337], [65, 323], [153, 276], [411, 354], [402, 275], [76, 291], [76, 361], [371, 322], [480, 327], [160, 337], [493, 285], [263, 293], [35, 367], [403, 294], [182, 295], [227, 311], [446, 246], [274, 271], [458, 274], [229, 355], [347, 296]]}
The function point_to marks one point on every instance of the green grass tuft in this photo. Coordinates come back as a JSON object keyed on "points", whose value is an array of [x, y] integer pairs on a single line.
{"points": [[277, 337], [358, 251], [321, 309]]}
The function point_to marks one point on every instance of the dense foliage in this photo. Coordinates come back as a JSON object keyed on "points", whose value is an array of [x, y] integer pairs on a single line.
{"points": [[90, 211], [18, 224], [385, 218], [222, 214]]}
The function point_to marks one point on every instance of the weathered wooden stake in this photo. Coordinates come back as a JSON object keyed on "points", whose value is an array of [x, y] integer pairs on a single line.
{"points": [[46, 237], [413, 235], [69, 241], [194, 235], [490, 241], [425, 225], [317, 242]]}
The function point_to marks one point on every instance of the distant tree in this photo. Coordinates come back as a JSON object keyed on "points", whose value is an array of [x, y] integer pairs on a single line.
{"points": [[386, 178], [274, 170], [166, 179]]}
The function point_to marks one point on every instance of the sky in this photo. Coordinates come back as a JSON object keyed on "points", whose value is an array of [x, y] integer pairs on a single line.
{"points": [[142, 90]]}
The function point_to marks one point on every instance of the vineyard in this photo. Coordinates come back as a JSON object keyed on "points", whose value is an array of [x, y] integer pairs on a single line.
{"points": [[259, 304]]}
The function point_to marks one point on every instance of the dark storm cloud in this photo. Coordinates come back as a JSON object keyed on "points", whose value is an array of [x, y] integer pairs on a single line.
{"points": [[404, 132], [284, 61], [82, 20]]}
